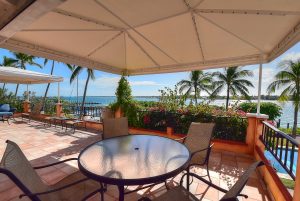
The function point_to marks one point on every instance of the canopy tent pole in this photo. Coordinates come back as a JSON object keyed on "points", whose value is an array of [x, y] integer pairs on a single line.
{"points": [[259, 87], [27, 94], [77, 91], [58, 92]]}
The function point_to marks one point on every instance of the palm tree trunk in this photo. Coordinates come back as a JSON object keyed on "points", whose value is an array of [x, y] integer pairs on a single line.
{"points": [[3, 87], [84, 94], [48, 85], [17, 88], [195, 87], [227, 98], [294, 132]]}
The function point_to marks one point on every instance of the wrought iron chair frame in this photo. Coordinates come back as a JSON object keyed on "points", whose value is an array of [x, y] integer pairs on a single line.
{"points": [[34, 196]]}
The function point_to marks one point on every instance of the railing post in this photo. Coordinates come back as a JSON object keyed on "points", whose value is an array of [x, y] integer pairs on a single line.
{"points": [[26, 106], [254, 129], [296, 196], [170, 131], [59, 109]]}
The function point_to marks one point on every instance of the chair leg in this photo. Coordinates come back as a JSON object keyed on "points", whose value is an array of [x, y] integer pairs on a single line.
{"points": [[188, 179], [208, 172], [167, 187], [102, 192]]}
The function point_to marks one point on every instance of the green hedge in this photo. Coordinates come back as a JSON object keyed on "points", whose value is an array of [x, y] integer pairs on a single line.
{"points": [[227, 127], [269, 108]]}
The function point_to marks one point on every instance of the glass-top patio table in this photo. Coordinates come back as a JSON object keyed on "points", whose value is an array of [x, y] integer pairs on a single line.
{"points": [[133, 160]]}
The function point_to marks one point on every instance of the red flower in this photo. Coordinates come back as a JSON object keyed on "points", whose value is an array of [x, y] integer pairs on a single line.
{"points": [[241, 113], [146, 119]]}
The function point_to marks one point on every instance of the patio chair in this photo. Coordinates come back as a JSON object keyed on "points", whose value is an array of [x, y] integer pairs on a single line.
{"points": [[179, 193], [36, 110], [6, 112], [198, 141], [114, 127], [15, 166]]}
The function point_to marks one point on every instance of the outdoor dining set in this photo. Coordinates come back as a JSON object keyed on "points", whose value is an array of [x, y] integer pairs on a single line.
{"points": [[63, 121], [122, 159]]}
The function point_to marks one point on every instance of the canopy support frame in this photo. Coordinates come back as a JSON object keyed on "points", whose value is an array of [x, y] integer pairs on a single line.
{"points": [[259, 87]]}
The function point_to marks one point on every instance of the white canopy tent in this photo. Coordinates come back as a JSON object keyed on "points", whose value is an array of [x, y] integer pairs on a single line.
{"points": [[158, 36], [20, 76]]}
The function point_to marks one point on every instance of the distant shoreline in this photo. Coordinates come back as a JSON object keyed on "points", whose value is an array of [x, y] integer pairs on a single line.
{"points": [[272, 98]]}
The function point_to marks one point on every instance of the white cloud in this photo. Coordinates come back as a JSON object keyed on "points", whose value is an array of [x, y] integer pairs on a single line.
{"points": [[267, 74], [103, 82], [143, 83], [291, 56]]}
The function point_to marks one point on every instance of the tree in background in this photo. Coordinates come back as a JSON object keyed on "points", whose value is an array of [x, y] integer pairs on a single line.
{"points": [[233, 79], [48, 85], [125, 102], [198, 82], [7, 62], [123, 92], [288, 80], [21, 61], [76, 70]]}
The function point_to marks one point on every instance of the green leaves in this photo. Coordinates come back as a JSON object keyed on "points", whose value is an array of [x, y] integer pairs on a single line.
{"points": [[123, 92], [233, 78], [21, 60], [171, 99], [288, 80], [269, 108], [198, 82]]}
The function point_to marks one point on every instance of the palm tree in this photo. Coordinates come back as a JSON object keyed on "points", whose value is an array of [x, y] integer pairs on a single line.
{"points": [[75, 73], [233, 78], [198, 82], [288, 79], [21, 61], [48, 85], [6, 62]]}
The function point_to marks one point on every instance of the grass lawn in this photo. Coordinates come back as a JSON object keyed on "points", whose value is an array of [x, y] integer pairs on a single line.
{"points": [[288, 183], [289, 130]]}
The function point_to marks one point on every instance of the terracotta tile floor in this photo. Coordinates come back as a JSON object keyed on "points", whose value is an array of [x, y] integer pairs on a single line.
{"points": [[44, 145]]}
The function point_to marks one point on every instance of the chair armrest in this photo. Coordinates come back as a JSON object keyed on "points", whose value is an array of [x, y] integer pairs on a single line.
{"points": [[207, 182], [182, 140], [208, 148], [204, 181], [49, 165], [53, 190]]}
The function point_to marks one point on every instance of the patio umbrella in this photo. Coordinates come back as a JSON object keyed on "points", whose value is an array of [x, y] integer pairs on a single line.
{"points": [[159, 36]]}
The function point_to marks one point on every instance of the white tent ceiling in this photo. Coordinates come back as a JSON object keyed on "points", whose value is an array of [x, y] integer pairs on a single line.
{"points": [[20, 76], [143, 36]]}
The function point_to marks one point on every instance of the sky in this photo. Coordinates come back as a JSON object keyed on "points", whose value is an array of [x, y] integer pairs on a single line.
{"points": [[143, 85]]}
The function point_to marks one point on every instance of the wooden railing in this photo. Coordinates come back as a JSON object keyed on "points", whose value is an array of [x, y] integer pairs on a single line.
{"points": [[282, 146]]}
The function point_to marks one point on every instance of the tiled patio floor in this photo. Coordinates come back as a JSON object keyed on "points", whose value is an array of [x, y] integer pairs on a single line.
{"points": [[46, 145]]}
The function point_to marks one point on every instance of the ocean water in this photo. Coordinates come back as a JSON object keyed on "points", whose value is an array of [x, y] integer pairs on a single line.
{"points": [[286, 117]]}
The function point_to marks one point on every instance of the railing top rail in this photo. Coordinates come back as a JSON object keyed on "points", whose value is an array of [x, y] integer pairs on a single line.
{"points": [[292, 140]]}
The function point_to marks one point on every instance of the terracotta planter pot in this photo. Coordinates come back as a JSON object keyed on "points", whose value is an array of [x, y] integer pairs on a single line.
{"points": [[170, 131], [119, 113]]}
